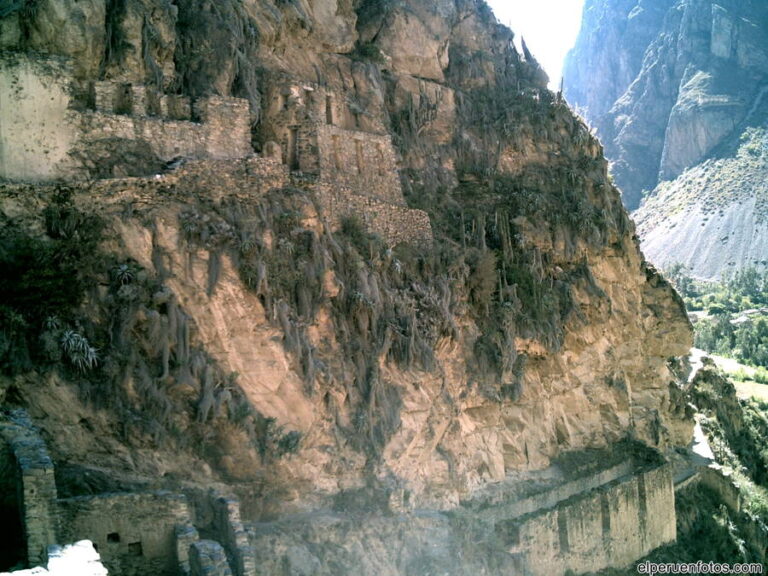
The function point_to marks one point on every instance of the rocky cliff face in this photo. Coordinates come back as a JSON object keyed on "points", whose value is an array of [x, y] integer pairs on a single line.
{"points": [[669, 85], [595, 76], [712, 218], [247, 337]]}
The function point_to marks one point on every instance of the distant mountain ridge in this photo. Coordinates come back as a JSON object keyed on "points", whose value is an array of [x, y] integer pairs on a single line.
{"points": [[676, 91]]}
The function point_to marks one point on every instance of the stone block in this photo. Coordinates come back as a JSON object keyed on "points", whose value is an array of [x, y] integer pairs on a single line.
{"points": [[139, 100], [105, 96], [186, 535], [207, 558], [134, 532]]}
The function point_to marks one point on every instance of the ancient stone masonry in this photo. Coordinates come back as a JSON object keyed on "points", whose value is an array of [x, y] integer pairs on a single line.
{"points": [[135, 533], [222, 131], [38, 128], [228, 523], [304, 107], [578, 519], [207, 558], [186, 536], [250, 177], [334, 148], [345, 152], [35, 484], [611, 525], [153, 533], [364, 162], [610, 517], [393, 222], [46, 133]]}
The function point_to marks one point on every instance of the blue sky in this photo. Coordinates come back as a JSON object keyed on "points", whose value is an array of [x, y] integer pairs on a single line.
{"points": [[548, 26]]}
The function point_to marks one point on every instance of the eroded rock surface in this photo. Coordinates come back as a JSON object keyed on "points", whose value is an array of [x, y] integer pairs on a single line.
{"points": [[252, 335], [673, 87]]}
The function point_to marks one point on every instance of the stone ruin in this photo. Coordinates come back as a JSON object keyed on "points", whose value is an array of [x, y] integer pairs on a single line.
{"points": [[51, 130], [607, 511], [29, 489], [80, 558], [608, 516], [135, 533]]}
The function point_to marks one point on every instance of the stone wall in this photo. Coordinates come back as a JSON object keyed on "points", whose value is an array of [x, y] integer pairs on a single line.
{"points": [[347, 153], [207, 558], [12, 549], [223, 131], [43, 137], [35, 484], [356, 170], [363, 161], [721, 482], [291, 112], [134, 533], [295, 110], [166, 139], [229, 526], [395, 223], [603, 518], [186, 536], [37, 127], [248, 177], [528, 504], [610, 526], [254, 177], [227, 126]]}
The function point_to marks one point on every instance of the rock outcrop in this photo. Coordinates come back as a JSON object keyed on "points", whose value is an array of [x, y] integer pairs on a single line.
{"points": [[668, 86], [247, 329]]}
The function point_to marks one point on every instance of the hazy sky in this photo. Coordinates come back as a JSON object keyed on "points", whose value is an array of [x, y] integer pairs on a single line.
{"points": [[548, 26]]}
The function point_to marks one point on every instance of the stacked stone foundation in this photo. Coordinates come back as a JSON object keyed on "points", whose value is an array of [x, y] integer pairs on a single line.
{"points": [[134, 533], [609, 526], [349, 165]]}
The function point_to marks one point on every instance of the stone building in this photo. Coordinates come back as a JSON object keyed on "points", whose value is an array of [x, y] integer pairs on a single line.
{"points": [[135, 533], [48, 131], [340, 153], [344, 154], [29, 498]]}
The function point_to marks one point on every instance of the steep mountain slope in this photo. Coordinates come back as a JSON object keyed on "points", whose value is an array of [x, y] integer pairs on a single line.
{"points": [[595, 77], [699, 90], [244, 329], [712, 218]]}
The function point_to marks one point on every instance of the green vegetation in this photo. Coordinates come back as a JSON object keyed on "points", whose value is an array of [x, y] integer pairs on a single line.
{"points": [[116, 45], [733, 314], [708, 529], [210, 37], [737, 176], [392, 304], [513, 236], [367, 52], [27, 13], [43, 281], [759, 375], [398, 304], [117, 332]]}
